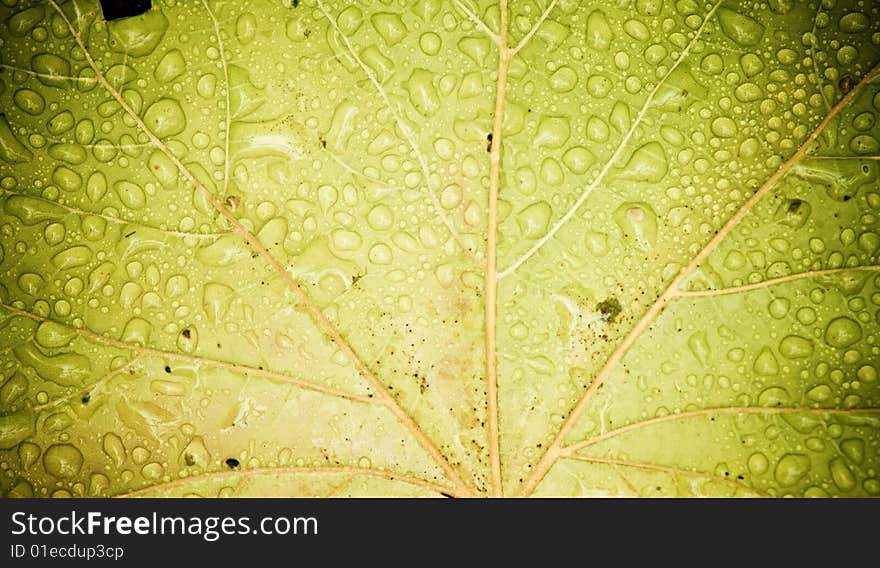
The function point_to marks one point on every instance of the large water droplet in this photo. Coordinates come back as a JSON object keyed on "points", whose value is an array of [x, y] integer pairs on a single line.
{"points": [[842, 332], [62, 460]]}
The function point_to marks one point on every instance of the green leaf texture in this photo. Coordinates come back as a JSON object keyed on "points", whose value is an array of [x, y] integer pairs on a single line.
{"points": [[433, 247]]}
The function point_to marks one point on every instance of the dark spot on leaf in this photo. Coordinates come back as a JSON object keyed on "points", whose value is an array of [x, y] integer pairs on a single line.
{"points": [[846, 83], [167, 369], [186, 333], [189, 460], [116, 9], [86, 398], [793, 207], [127, 235], [232, 463], [322, 142], [609, 308]]}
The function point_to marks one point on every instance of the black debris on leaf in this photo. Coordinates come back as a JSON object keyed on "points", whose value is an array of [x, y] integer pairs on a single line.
{"points": [[609, 308], [232, 463], [117, 9]]}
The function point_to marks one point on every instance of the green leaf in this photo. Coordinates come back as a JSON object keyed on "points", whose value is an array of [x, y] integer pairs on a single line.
{"points": [[438, 248]]}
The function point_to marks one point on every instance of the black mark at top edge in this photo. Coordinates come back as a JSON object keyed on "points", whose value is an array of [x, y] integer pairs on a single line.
{"points": [[117, 9]]}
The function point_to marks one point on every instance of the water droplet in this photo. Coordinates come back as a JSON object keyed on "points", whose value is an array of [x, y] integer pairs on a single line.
{"points": [[139, 35], [842, 332], [72, 258], [854, 22], [758, 463], [774, 396], [867, 374], [195, 454], [342, 126], [854, 449], [69, 153], [207, 85], [152, 471], [596, 243], [13, 389], [31, 211], [597, 129], [51, 70], [344, 240], [778, 307], [820, 393], [30, 283], [734, 260], [62, 460], [53, 335], [698, 343], [66, 369], [864, 144], [57, 422], [390, 27], [93, 227], [552, 132], [245, 28], [751, 64], [647, 164], [765, 363], [165, 118], [795, 347], [563, 79], [649, 7], [599, 85], [724, 127], [29, 101], [170, 67], [740, 28], [216, 299], [599, 34], [381, 218], [422, 92], [578, 159], [23, 22], [137, 331], [841, 475], [381, 254], [114, 448], [791, 469], [11, 150], [551, 172], [477, 48], [226, 250], [533, 221], [637, 30], [15, 428], [638, 223], [430, 43]]}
